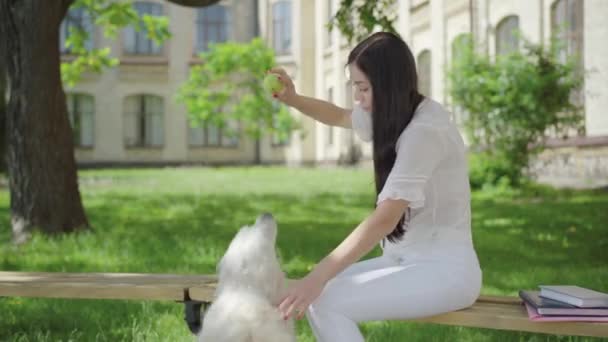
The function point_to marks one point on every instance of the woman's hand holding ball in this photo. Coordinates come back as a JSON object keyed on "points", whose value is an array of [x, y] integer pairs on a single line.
{"points": [[280, 85]]}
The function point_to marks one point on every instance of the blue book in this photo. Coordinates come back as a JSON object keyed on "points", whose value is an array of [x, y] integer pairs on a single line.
{"points": [[549, 307], [575, 295]]}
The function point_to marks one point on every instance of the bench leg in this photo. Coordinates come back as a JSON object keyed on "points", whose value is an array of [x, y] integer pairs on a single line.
{"points": [[194, 315]]}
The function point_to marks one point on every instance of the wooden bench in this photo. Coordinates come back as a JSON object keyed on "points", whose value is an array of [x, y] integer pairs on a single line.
{"points": [[195, 291]]}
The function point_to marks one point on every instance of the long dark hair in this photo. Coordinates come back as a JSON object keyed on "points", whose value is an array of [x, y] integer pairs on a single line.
{"points": [[390, 67]]}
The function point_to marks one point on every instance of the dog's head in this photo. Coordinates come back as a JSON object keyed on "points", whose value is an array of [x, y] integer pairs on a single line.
{"points": [[252, 242], [267, 226], [251, 260]]}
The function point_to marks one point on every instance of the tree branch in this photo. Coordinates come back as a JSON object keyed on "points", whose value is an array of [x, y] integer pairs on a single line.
{"points": [[194, 3]]}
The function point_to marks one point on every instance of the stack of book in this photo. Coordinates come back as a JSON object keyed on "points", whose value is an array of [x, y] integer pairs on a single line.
{"points": [[565, 303]]}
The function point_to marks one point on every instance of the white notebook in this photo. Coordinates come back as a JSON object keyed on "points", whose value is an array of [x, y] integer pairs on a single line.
{"points": [[575, 295]]}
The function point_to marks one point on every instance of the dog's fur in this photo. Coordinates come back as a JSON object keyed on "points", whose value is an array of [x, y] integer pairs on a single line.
{"points": [[250, 285]]}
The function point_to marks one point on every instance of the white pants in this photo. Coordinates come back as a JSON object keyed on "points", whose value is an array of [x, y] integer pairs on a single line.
{"points": [[403, 286]]}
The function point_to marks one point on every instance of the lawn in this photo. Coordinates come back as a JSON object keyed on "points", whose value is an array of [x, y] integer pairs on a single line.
{"points": [[179, 220]]}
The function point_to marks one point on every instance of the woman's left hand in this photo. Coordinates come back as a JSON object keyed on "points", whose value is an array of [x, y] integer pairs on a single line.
{"points": [[300, 294]]}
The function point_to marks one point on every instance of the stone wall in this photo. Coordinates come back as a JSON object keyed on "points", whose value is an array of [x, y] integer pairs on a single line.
{"points": [[581, 163]]}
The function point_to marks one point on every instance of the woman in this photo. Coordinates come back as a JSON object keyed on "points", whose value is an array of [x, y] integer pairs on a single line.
{"points": [[422, 218]]}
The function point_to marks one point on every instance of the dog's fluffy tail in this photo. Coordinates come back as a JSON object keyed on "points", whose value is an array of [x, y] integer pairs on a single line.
{"points": [[244, 316]]}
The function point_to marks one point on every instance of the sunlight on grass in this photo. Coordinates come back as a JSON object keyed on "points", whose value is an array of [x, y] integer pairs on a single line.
{"points": [[180, 220]]}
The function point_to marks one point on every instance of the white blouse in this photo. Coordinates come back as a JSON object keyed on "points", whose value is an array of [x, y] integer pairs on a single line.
{"points": [[430, 173]]}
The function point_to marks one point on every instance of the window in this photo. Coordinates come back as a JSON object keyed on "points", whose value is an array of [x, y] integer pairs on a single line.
{"points": [[212, 26], [76, 18], [330, 13], [424, 72], [208, 135], [136, 42], [567, 26], [330, 129], [81, 112], [281, 27], [143, 121], [507, 40]]}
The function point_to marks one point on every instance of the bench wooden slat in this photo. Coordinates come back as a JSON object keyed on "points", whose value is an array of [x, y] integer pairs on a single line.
{"points": [[104, 277], [513, 316], [499, 299], [494, 312], [100, 285], [497, 307]]}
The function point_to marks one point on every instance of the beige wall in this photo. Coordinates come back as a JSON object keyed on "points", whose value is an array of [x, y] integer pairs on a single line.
{"points": [[596, 62]]}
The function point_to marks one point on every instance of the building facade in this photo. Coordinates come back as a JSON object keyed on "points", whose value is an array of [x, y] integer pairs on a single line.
{"points": [[129, 114]]}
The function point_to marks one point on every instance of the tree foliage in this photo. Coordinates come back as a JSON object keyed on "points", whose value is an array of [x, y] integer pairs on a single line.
{"points": [[356, 19], [514, 101], [227, 87], [111, 16]]}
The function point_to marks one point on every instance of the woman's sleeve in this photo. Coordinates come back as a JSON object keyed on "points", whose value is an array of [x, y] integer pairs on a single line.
{"points": [[362, 124], [419, 151]]}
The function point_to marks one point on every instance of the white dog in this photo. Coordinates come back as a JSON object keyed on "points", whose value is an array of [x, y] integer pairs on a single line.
{"points": [[250, 285]]}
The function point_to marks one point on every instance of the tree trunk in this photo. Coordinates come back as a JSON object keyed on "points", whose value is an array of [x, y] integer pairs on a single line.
{"points": [[2, 116], [40, 153]]}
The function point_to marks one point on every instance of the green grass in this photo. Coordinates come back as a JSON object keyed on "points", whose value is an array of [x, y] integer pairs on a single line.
{"points": [[181, 220]]}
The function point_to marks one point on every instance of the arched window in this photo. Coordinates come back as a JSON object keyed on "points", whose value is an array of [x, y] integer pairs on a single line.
{"points": [[212, 26], [281, 27], [507, 40], [81, 112], [567, 26], [143, 121], [424, 72], [136, 42]]}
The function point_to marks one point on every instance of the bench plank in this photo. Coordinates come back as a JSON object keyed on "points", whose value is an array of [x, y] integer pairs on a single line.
{"points": [[494, 312], [513, 316], [100, 285]]}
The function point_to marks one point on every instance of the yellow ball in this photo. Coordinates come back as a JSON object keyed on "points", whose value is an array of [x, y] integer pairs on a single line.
{"points": [[272, 84]]}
